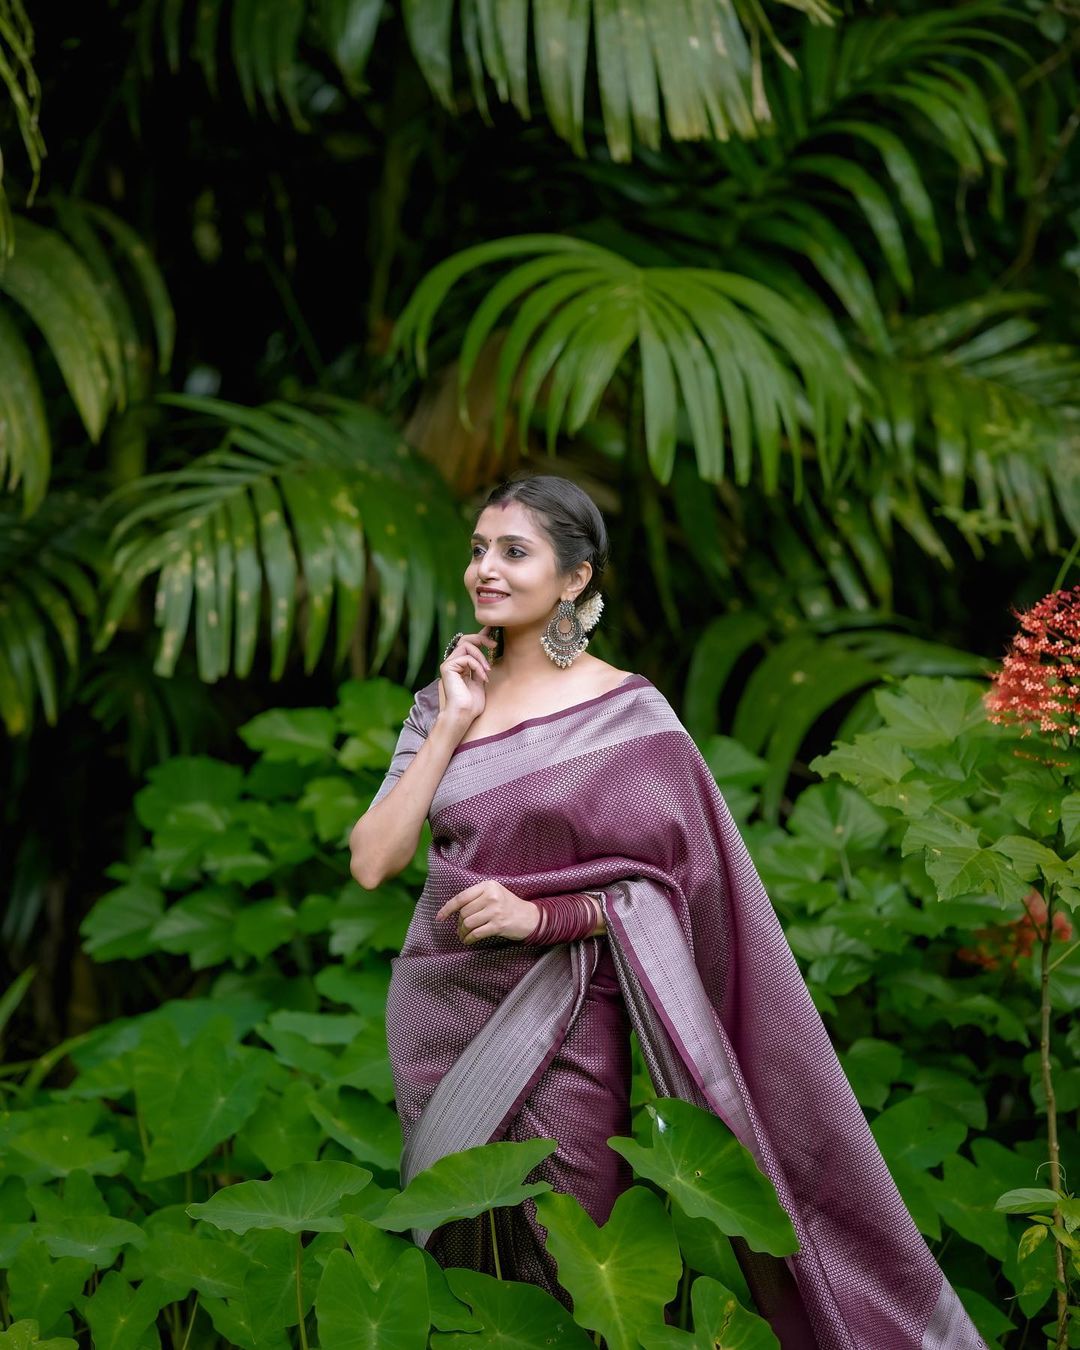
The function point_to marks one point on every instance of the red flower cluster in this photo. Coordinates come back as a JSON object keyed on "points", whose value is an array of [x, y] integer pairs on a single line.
{"points": [[1038, 683], [1008, 942]]}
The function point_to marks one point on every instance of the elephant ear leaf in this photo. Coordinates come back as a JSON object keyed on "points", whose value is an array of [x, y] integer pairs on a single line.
{"points": [[511, 1316], [720, 1323], [462, 1185], [620, 1276], [303, 1198], [703, 1167], [354, 1316]]}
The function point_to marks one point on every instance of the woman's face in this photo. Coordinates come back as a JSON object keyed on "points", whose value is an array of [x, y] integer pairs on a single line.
{"points": [[512, 555]]}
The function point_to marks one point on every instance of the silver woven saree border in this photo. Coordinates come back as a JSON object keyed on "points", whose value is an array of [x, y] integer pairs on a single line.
{"points": [[474, 1096], [950, 1327]]}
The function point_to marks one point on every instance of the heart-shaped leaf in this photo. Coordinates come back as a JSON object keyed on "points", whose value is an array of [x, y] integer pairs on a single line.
{"points": [[511, 1316], [302, 1198], [699, 1162], [92, 1237], [465, 1184], [369, 1130], [619, 1276], [23, 1335], [354, 1316], [43, 1289], [720, 1323]]}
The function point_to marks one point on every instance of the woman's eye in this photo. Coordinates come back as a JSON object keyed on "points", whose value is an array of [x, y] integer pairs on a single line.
{"points": [[511, 549]]}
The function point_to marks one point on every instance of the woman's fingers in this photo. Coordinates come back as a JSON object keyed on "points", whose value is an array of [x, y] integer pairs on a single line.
{"points": [[488, 930], [457, 902]]}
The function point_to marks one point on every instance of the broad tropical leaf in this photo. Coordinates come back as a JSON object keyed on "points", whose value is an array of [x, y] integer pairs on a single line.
{"points": [[48, 586], [744, 362], [292, 502], [66, 284], [699, 61], [995, 408], [20, 81]]}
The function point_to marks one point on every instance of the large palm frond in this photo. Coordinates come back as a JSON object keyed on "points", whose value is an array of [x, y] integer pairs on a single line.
{"points": [[67, 284], [843, 184], [49, 568], [738, 356], [21, 83], [971, 399], [690, 67], [279, 521]]}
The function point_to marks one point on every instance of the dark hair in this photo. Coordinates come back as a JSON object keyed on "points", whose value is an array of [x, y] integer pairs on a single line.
{"points": [[567, 515]]}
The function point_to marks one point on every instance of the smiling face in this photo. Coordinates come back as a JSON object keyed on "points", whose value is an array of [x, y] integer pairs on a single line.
{"points": [[512, 555]]}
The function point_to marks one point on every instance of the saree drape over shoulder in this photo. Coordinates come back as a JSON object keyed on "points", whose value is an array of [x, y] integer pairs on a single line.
{"points": [[501, 1040]]}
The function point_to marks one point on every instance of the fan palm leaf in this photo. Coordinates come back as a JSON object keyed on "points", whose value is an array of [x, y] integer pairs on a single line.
{"points": [[734, 353], [18, 78], [49, 567], [67, 284], [691, 68], [996, 409], [278, 522]]}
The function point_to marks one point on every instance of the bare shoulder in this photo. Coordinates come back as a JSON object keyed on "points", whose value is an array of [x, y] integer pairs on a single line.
{"points": [[600, 676]]}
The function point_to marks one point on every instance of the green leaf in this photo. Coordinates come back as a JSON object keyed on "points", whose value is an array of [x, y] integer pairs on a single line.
{"points": [[925, 712], [185, 1123], [1027, 1200], [696, 1159], [370, 1131], [91, 1237], [119, 1315], [620, 1276], [201, 926], [23, 1335], [292, 735], [462, 1185], [43, 1289], [188, 1261], [720, 1323], [334, 805], [121, 922], [60, 1150], [302, 1198], [511, 1316], [354, 1316], [282, 1131]]}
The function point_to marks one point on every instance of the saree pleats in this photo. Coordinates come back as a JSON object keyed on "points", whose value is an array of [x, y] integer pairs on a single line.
{"points": [[581, 1099], [500, 1040]]}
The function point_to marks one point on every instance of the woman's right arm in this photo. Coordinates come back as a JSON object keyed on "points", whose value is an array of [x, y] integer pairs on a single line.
{"points": [[385, 838]]}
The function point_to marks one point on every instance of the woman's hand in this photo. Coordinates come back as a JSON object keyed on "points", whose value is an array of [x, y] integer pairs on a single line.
{"points": [[463, 676], [488, 909]]}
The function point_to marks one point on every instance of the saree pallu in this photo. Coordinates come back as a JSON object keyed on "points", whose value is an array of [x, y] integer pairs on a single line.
{"points": [[501, 1040]]}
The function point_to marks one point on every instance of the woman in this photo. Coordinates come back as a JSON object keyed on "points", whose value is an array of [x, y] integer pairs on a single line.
{"points": [[586, 876]]}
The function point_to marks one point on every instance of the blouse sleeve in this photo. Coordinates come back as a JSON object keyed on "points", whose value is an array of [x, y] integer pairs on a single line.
{"points": [[413, 733]]}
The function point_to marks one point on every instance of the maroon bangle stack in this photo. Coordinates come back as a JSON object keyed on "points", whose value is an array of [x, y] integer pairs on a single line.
{"points": [[564, 918]]}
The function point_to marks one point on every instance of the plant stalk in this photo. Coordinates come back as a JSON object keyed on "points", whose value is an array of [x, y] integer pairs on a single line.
{"points": [[494, 1245], [300, 1293], [191, 1323], [1047, 936]]}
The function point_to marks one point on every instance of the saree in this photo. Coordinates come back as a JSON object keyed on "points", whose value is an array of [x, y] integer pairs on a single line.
{"points": [[502, 1040]]}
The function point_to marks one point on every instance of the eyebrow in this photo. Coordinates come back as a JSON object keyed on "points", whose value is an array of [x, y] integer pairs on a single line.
{"points": [[507, 538]]}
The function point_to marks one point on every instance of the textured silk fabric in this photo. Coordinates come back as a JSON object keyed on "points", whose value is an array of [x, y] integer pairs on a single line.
{"points": [[613, 793]]}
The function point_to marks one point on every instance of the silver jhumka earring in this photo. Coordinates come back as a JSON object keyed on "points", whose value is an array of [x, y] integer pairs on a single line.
{"points": [[565, 647]]}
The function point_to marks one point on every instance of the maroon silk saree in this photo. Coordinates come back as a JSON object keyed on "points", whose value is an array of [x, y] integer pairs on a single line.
{"points": [[505, 1041]]}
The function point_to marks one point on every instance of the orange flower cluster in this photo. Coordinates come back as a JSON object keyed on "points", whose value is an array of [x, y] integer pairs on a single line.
{"points": [[1008, 942], [1038, 683]]}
